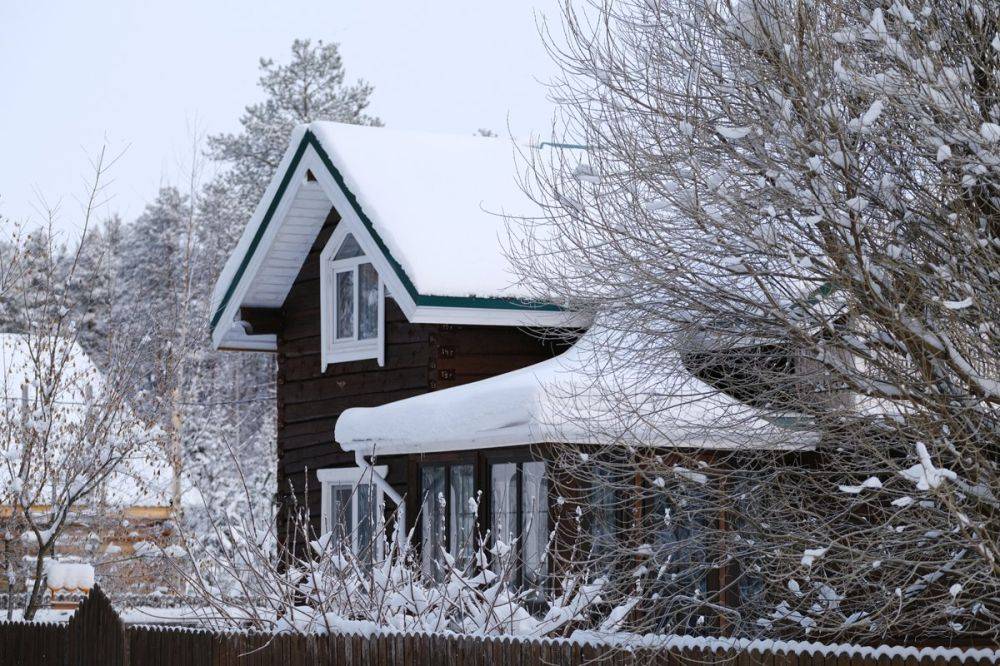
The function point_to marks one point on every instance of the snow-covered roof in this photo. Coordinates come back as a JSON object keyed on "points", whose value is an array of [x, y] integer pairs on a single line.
{"points": [[434, 205], [584, 395], [142, 480]]}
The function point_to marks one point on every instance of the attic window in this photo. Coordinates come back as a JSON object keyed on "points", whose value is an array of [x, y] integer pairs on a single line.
{"points": [[353, 304]]}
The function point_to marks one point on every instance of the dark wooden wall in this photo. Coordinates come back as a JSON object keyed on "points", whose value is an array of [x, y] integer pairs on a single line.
{"points": [[418, 358]]}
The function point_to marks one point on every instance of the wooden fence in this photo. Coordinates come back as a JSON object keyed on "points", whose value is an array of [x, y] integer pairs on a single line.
{"points": [[95, 635]]}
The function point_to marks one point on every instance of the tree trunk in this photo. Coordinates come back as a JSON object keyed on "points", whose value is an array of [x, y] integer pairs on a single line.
{"points": [[35, 599]]}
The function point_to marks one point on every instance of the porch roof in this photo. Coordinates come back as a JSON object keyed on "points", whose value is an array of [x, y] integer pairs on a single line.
{"points": [[587, 395]]}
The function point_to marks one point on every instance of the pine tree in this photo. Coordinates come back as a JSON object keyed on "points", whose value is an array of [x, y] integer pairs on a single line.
{"points": [[150, 280], [92, 288], [310, 87]]}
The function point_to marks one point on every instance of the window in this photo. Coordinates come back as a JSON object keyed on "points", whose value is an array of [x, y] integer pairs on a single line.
{"points": [[351, 514], [447, 516], [602, 517], [746, 563], [353, 303], [519, 498]]}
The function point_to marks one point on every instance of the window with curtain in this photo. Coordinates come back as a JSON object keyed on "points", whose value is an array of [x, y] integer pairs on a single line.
{"points": [[448, 518], [519, 501], [681, 554], [351, 510], [352, 304]]}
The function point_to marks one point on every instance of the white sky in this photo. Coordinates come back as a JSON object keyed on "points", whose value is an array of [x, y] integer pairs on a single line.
{"points": [[139, 74]]}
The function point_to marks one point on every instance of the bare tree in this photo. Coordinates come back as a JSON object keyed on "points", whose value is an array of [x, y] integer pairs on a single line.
{"points": [[69, 441], [797, 204]]}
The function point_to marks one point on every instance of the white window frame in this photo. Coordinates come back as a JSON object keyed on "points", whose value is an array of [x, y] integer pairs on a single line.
{"points": [[347, 349], [349, 476]]}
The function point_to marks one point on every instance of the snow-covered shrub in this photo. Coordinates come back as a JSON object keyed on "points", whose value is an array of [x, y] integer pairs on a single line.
{"points": [[72, 448], [272, 586]]}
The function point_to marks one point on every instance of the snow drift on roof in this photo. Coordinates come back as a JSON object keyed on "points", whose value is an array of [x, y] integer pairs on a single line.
{"points": [[437, 201], [584, 395]]}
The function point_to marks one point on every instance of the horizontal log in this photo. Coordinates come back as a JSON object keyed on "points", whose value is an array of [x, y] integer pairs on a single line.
{"points": [[335, 406], [361, 383], [300, 367]]}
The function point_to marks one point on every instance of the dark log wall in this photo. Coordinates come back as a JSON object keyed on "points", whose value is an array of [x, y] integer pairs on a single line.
{"points": [[418, 358]]}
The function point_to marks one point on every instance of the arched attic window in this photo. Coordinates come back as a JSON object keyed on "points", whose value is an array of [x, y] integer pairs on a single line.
{"points": [[353, 307]]}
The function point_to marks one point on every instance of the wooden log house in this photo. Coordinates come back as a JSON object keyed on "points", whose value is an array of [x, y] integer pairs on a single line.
{"points": [[374, 269]]}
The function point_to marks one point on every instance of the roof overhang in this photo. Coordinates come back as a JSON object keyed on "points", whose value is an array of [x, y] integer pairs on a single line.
{"points": [[306, 167], [583, 396]]}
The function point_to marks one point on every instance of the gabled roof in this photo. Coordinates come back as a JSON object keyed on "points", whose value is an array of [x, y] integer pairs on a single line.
{"points": [[587, 395], [432, 206]]}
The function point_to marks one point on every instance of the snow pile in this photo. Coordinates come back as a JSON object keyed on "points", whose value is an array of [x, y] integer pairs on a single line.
{"points": [[574, 397], [68, 576]]}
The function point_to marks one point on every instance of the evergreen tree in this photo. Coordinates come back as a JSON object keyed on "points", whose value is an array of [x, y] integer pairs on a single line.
{"points": [[92, 286], [151, 279], [310, 87], [40, 269]]}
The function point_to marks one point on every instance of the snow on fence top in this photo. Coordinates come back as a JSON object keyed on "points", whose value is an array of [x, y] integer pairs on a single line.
{"points": [[588, 394], [682, 642]]}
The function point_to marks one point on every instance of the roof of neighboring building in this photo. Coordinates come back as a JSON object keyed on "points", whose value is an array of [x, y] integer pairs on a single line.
{"points": [[585, 395], [141, 480], [435, 206]]}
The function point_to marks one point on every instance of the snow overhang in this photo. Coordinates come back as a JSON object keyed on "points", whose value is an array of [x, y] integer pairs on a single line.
{"points": [[436, 244], [576, 397]]}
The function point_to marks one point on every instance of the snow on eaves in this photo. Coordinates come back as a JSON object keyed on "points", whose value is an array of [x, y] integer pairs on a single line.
{"points": [[575, 397], [438, 202]]}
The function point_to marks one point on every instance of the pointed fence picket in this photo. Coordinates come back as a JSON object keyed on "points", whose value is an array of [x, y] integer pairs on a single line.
{"points": [[96, 635]]}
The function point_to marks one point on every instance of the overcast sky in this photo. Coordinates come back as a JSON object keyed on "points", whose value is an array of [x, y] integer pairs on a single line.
{"points": [[138, 75]]}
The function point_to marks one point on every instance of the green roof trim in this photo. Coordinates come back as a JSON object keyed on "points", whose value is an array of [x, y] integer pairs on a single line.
{"points": [[268, 214], [309, 140]]}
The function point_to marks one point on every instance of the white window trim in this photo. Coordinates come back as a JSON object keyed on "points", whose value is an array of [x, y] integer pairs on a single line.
{"points": [[351, 349], [342, 476]]}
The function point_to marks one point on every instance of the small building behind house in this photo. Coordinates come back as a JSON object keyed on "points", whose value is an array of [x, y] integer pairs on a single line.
{"points": [[120, 528]]}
